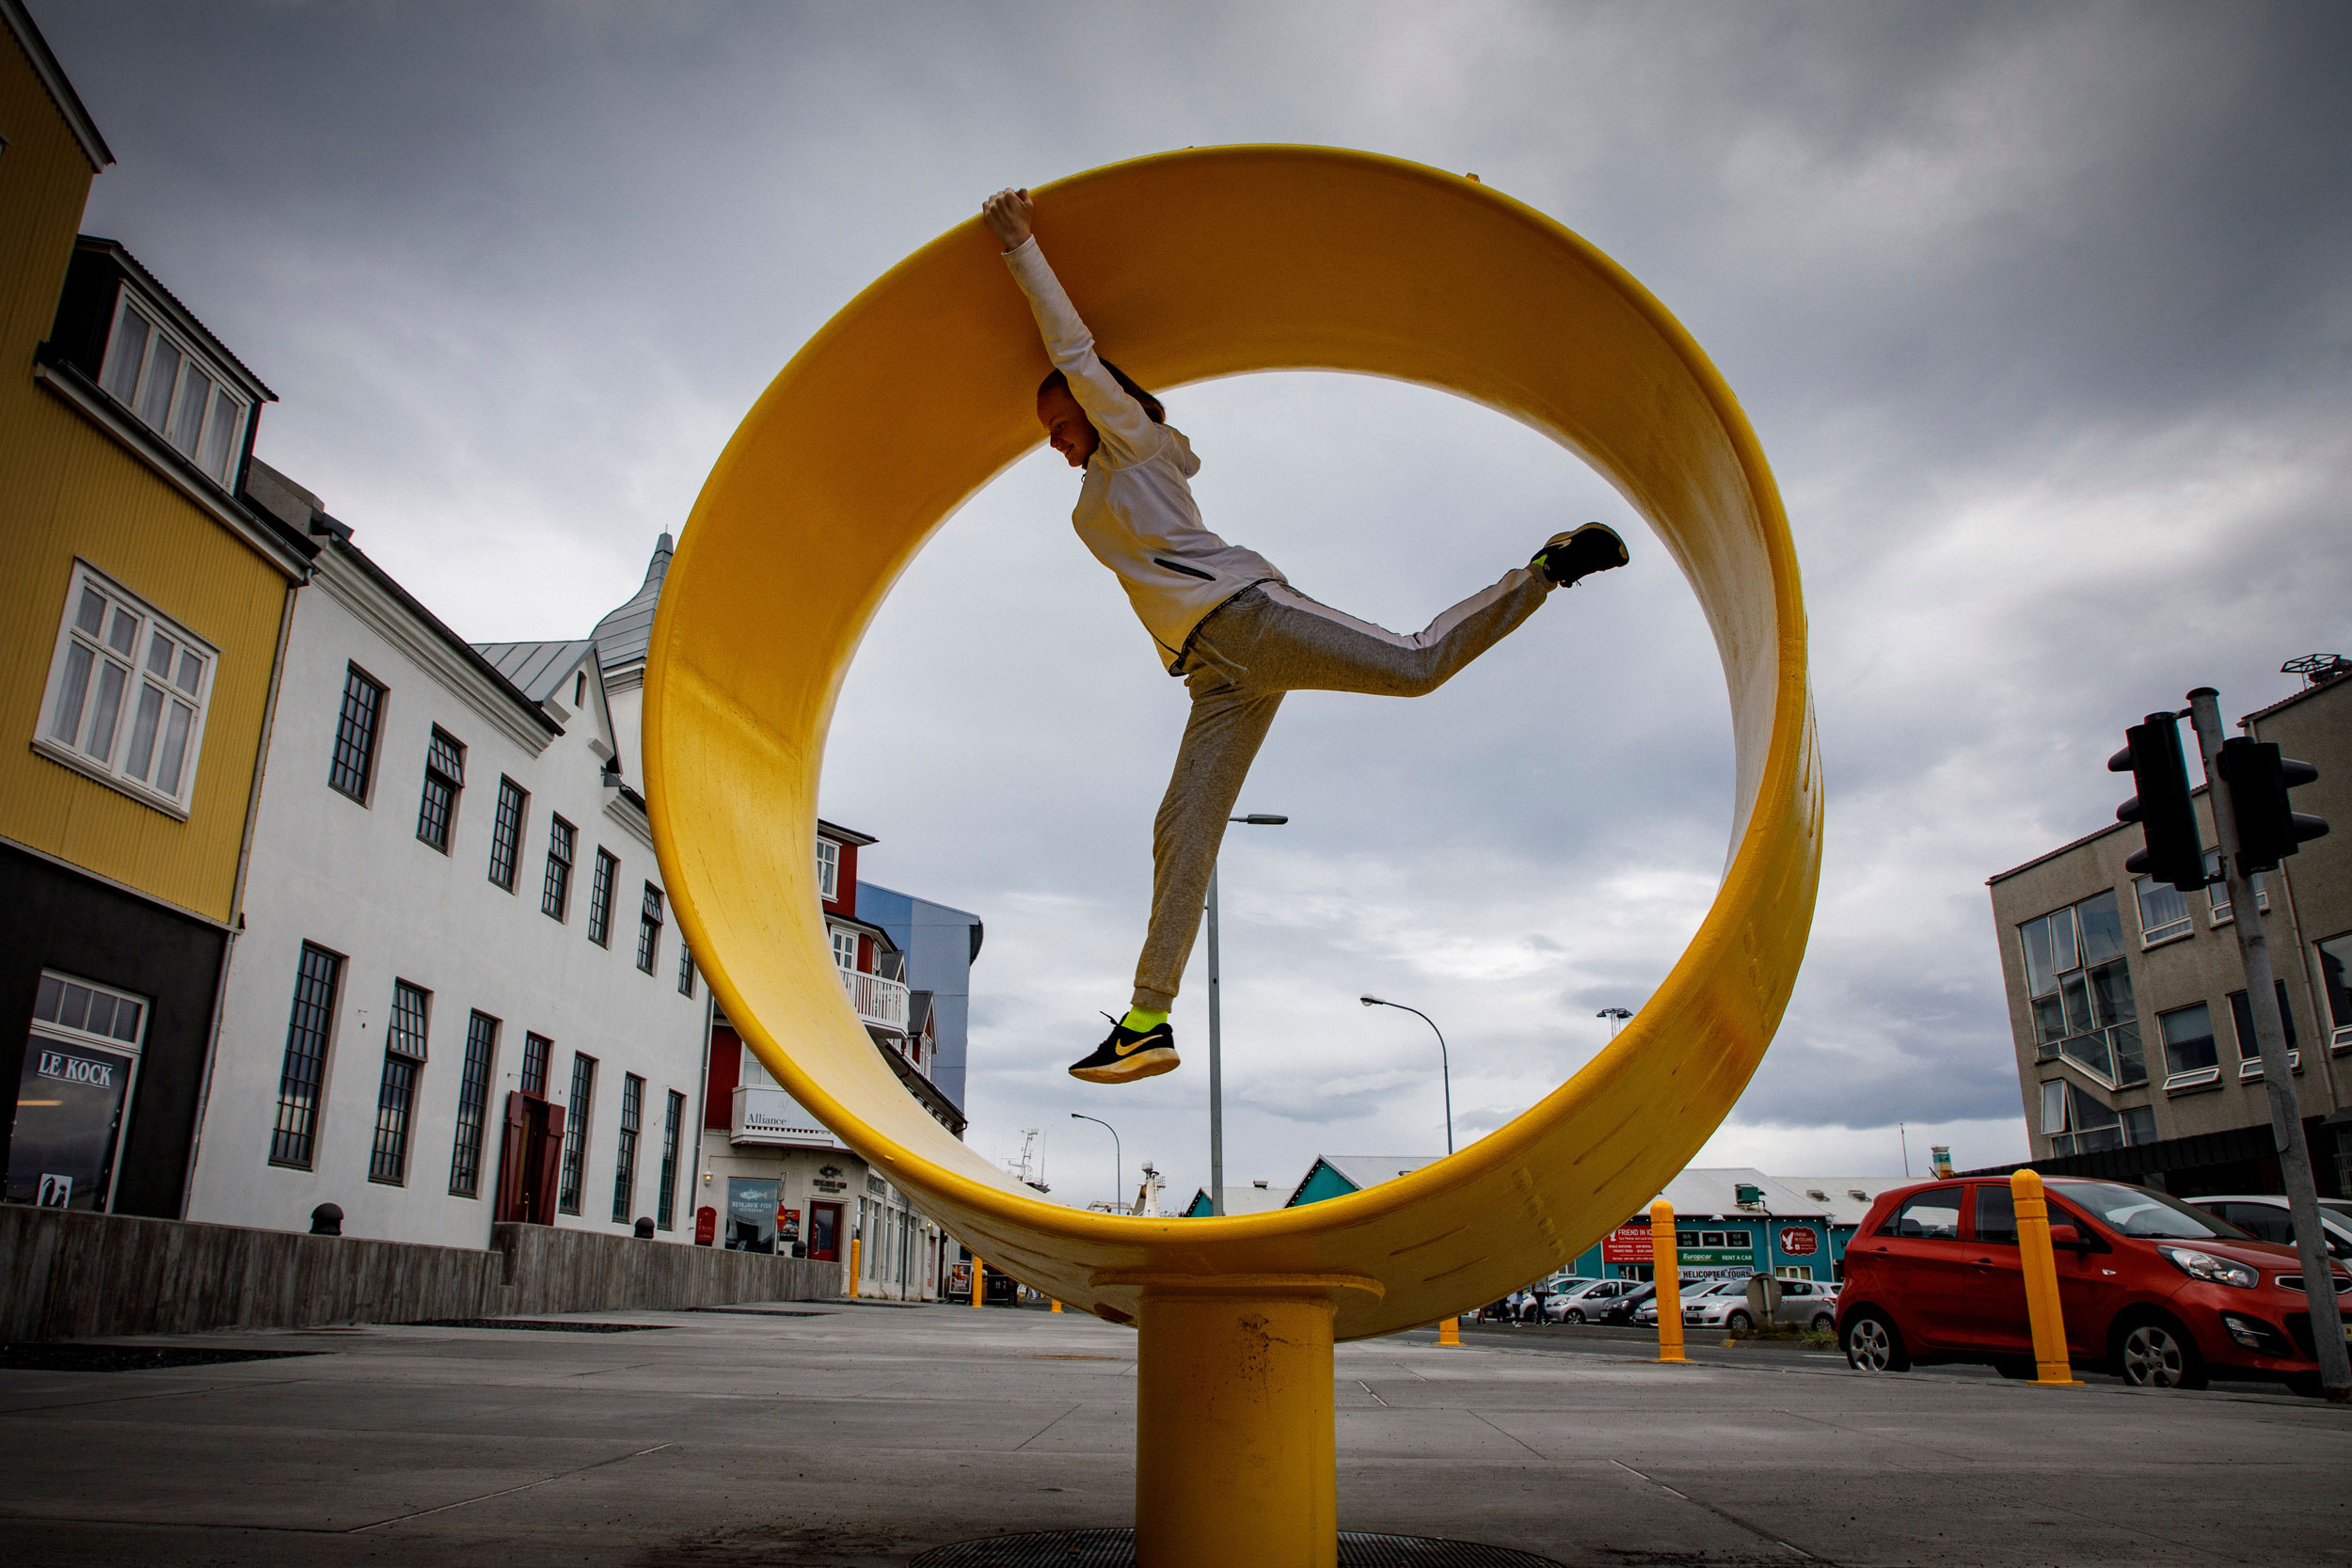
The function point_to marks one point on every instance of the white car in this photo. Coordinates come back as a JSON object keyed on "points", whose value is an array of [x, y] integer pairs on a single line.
{"points": [[1589, 1302], [1801, 1301], [1646, 1314], [2265, 1219]]}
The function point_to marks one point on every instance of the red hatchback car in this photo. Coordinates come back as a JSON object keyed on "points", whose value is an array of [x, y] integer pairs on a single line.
{"points": [[2162, 1294]]}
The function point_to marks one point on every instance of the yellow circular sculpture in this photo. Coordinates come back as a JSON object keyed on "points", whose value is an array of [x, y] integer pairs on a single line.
{"points": [[1192, 265]]}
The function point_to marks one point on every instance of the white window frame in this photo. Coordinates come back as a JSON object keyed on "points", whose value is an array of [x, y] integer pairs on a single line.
{"points": [[134, 1047], [2184, 924], [828, 870], [112, 767], [2194, 1078], [114, 370], [844, 948], [2251, 1066], [2218, 912]]}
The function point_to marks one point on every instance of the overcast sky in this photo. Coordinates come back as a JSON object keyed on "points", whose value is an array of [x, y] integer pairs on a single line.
{"points": [[2043, 313]]}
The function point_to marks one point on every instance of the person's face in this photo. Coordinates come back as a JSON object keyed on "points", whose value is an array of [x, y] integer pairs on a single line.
{"points": [[1067, 427]]}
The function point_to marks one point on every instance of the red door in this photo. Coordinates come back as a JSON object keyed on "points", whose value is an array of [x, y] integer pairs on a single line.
{"points": [[529, 1149], [1921, 1261], [1995, 1319], [824, 1232]]}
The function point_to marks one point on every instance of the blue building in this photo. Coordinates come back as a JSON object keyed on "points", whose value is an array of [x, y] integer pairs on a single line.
{"points": [[939, 945]]}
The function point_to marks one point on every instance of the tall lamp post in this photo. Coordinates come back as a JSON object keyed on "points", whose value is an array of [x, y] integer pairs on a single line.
{"points": [[1217, 1056], [1445, 1069], [1617, 1017], [1118, 1161]]}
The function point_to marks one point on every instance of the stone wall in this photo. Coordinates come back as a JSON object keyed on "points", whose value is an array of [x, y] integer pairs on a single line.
{"points": [[66, 1275]]}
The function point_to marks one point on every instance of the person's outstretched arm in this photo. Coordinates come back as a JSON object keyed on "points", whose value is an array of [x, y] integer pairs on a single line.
{"points": [[1117, 419]]}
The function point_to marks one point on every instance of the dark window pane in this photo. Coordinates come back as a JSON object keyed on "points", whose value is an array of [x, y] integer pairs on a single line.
{"points": [[1932, 1215], [536, 1050], [600, 898], [625, 1161], [407, 1035], [355, 735], [2188, 1040], [2102, 928], [2041, 979], [389, 1162], [576, 1133], [555, 893], [506, 833], [444, 776], [1997, 1214], [473, 1102], [665, 1200], [649, 928], [2335, 970], [315, 981]]}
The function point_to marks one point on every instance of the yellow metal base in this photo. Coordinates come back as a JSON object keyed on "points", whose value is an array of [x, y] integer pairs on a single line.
{"points": [[1235, 1460], [1450, 1334]]}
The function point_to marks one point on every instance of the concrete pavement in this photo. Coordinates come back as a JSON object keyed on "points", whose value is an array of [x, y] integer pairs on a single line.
{"points": [[863, 1434]]}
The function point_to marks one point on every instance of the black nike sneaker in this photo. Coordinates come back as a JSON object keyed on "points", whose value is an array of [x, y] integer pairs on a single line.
{"points": [[1568, 557], [1129, 1055]]}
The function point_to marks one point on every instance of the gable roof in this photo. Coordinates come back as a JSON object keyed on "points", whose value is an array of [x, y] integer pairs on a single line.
{"points": [[539, 669], [1846, 1197], [623, 637], [61, 91], [1364, 1171], [1715, 1193], [1258, 1197]]}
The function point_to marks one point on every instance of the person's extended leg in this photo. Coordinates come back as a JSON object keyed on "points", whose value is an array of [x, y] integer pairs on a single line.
{"points": [[1228, 724], [1303, 646]]}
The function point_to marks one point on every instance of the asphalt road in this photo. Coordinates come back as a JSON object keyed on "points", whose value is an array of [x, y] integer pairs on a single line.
{"points": [[853, 1435]]}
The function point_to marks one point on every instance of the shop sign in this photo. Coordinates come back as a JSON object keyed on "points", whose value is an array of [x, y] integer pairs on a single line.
{"points": [[77, 1069], [1627, 1243], [706, 1225], [824, 1186], [787, 1225], [1797, 1242], [1743, 1259]]}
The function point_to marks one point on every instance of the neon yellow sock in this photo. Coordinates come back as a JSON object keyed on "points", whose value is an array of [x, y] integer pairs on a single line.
{"points": [[1142, 1020]]}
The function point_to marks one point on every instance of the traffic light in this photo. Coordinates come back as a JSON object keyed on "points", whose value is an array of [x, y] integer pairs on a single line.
{"points": [[2152, 756], [2268, 828]]}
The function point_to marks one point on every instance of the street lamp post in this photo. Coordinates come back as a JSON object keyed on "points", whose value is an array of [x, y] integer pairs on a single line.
{"points": [[1216, 1054], [1445, 1069], [1617, 1017], [1118, 1161]]}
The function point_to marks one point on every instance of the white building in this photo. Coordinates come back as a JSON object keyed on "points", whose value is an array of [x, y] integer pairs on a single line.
{"points": [[458, 996]]}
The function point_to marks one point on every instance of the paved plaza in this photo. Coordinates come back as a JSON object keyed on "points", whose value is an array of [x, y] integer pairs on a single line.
{"points": [[842, 1434]]}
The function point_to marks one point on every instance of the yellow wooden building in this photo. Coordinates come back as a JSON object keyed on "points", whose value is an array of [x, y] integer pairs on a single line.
{"points": [[143, 604]]}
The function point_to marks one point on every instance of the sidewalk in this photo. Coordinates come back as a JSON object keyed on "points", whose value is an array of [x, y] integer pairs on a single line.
{"points": [[847, 1434]]}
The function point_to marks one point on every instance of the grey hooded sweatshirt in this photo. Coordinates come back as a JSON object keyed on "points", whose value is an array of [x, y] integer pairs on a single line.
{"points": [[1136, 510]]}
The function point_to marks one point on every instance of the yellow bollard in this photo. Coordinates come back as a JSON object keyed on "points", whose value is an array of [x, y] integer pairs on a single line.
{"points": [[853, 1246], [1058, 1307], [1666, 1268], [1450, 1334], [2051, 1367], [979, 1280]]}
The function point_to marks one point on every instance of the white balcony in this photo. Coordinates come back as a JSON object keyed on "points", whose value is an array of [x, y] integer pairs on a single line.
{"points": [[770, 1116], [877, 1001]]}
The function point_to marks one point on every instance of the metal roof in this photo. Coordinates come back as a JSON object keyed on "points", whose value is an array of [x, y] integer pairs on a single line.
{"points": [[1364, 1170], [540, 669], [623, 637], [1846, 1197], [1258, 1197], [1714, 1193]]}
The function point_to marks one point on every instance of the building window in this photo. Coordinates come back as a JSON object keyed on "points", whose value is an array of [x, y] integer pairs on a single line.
{"points": [[2163, 912], [665, 1195], [649, 928], [128, 691], [685, 969], [316, 979], [600, 897], [506, 832], [625, 1159], [844, 948], [2079, 1122], [444, 776], [536, 1050], [396, 1097], [2217, 891], [152, 371], [2250, 1052], [576, 1133], [473, 1105], [73, 1093], [2335, 975], [2189, 1056], [579, 691], [354, 768], [828, 870], [555, 893], [2081, 991]]}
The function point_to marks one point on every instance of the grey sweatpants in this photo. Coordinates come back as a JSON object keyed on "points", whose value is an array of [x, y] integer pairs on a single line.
{"points": [[1259, 645]]}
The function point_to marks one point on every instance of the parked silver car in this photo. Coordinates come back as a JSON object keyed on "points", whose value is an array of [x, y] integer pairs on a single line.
{"points": [[2265, 1219], [1589, 1302], [1803, 1302], [1646, 1314]]}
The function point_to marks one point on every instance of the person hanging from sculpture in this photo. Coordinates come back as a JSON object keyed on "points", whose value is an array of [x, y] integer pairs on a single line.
{"points": [[1227, 621]]}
